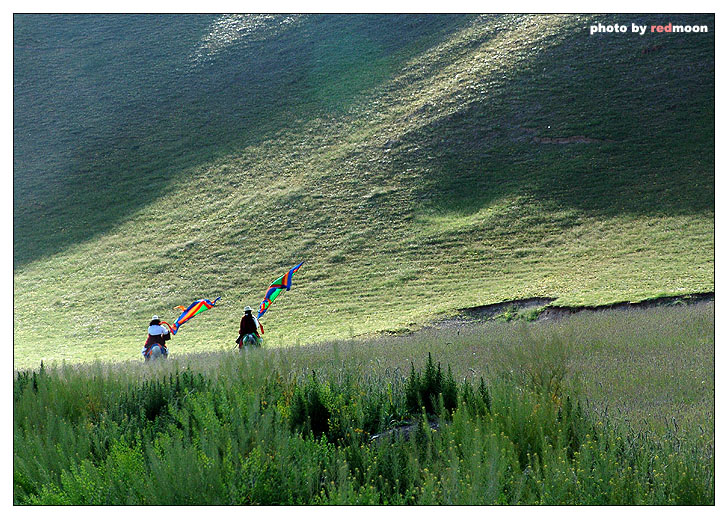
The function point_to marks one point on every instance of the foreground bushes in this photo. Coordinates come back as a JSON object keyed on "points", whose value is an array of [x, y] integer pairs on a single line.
{"points": [[254, 435]]}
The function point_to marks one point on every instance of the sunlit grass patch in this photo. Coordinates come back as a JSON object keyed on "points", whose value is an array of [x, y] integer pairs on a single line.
{"points": [[411, 191]]}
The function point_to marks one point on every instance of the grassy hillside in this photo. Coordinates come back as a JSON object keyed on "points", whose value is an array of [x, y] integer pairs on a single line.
{"points": [[407, 159]]}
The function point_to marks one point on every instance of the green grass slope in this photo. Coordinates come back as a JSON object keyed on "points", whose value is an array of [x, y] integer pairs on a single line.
{"points": [[406, 159]]}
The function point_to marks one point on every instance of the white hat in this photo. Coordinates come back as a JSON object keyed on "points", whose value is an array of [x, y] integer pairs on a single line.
{"points": [[155, 318], [247, 309]]}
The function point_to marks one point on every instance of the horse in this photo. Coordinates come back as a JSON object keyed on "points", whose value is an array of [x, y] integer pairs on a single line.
{"points": [[249, 341], [156, 352]]}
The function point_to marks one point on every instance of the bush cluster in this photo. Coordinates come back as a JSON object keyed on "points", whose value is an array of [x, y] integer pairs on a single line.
{"points": [[254, 435]]}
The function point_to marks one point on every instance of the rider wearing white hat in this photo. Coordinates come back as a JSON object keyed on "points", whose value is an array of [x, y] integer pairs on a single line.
{"points": [[157, 334], [249, 325]]}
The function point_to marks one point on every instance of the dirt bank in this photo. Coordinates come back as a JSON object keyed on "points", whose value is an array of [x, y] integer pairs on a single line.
{"points": [[542, 309], [557, 312]]}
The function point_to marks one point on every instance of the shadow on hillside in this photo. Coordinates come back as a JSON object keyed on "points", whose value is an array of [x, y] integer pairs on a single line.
{"points": [[649, 103], [78, 174], [648, 119]]}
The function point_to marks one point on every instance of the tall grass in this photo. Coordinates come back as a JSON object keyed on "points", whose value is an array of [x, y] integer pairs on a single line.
{"points": [[350, 424]]}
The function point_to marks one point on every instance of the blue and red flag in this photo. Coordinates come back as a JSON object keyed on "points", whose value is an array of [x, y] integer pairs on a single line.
{"points": [[278, 286]]}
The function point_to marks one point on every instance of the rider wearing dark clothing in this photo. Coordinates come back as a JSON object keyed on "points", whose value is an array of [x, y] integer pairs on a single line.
{"points": [[248, 325]]}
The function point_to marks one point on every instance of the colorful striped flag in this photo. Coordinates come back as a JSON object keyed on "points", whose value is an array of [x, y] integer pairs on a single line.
{"points": [[197, 307], [280, 284]]}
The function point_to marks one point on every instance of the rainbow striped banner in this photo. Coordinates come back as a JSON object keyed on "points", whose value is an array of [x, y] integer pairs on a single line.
{"points": [[197, 307], [274, 290]]}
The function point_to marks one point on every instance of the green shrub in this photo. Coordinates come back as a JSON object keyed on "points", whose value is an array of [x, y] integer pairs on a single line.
{"points": [[309, 413], [248, 435]]}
